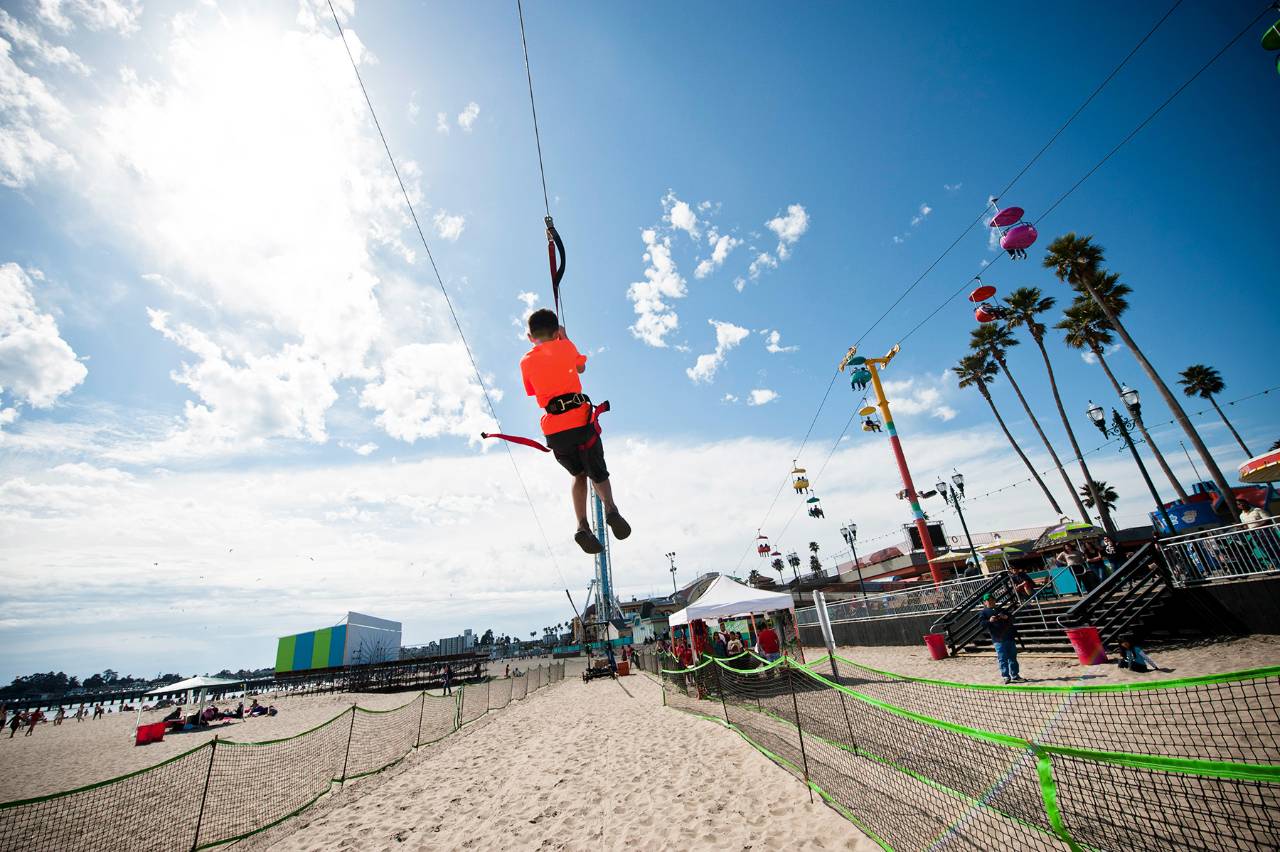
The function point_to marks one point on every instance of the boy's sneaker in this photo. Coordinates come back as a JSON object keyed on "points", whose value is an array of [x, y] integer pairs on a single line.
{"points": [[618, 524], [1008, 680], [587, 540], [1019, 679]]}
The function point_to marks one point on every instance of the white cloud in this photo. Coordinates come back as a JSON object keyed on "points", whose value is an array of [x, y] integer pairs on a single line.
{"points": [[721, 245], [679, 215], [414, 108], [1089, 358], [31, 118], [119, 15], [530, 302], [739, 283], [789, 228], [921, 215], [762, 396], [29, 41], [921, 396], [728, 398], [952, 187], [449, 226], [359, 449], [728, 336], [36, 365], [428, 390], [442, 123], [662, 282], [467, 118], [774, 342], [763, 261]]}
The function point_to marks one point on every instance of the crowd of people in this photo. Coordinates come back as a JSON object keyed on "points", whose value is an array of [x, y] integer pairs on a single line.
{"points": [[15, 720], [177, 719], [690, 644]]}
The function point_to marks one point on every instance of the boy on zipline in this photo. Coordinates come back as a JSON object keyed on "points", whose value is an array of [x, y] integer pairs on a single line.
{"points": [[550, 371]]}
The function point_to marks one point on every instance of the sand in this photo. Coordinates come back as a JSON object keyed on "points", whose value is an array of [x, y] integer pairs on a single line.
{"points": [[600, 765], [57, 758], [1063, 670]]}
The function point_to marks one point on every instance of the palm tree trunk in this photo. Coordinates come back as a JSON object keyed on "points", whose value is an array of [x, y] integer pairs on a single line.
{"points": [[1084, 513], [1103, 511], [1215, 473], [1234, 433], [1142, 427], [1017, 449]]}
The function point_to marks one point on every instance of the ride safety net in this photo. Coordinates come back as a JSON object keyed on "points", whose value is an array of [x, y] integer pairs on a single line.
{"points": [[224, 790], [930, 765]]}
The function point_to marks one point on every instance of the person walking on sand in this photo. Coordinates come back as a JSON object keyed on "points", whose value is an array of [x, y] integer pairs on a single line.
{"points": [[59, 716], [1004, 634], [15, 723], [448, 680], [33, 718]]}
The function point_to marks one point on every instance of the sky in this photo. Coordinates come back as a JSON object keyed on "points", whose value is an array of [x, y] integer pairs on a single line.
{"points": [[234, 404]]}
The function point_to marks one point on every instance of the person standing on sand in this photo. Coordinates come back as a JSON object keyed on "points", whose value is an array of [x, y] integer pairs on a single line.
{"points": [[61, 714], [33, 718], [15, 723], [768, 644], [1004, 635], [448, 680]]}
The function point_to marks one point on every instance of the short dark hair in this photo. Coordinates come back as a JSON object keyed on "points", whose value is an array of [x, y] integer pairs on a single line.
{"points": [[543, 324]]}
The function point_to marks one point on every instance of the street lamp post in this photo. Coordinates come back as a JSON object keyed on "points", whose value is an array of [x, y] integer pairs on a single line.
{"points": [[672, 557], [1119, 428], [953, 493], [850, 534]]}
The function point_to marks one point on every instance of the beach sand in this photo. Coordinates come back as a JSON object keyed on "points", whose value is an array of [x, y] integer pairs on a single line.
{"points": [[58, 758], [1063, 670], [600, 765]]}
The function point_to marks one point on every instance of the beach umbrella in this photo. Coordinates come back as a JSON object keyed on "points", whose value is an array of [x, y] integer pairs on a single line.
{"points": [[1263, 468], [1060, 534]]}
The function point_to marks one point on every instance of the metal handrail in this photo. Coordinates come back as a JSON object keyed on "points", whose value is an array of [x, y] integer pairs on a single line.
{"points": [[1122, 598], [968, 603], [961, 624]]}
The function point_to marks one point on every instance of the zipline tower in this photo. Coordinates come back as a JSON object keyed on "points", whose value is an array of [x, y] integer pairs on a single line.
{"points": [[604, 571]]}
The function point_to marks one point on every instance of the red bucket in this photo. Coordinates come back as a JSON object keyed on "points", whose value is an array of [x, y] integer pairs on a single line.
{"points": [[1088, 645], [937, 645]]}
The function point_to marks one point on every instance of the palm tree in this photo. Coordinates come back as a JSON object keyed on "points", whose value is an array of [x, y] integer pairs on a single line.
{"points": [[1105, 493], [813, 547], [1023, 308], [1077, 261], [777, 565], [1086, 328], [979, 371], [996, 341], [815, 564], [794, 561], [1204, 381]]}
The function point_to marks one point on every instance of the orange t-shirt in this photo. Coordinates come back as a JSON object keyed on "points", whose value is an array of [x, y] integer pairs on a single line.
{"points": [[549, 370]]}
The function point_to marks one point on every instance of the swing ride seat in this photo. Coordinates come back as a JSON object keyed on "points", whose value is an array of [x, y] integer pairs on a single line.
{"points": [[981, 294], [984, 313], [1019, 237], [1006, 217]]}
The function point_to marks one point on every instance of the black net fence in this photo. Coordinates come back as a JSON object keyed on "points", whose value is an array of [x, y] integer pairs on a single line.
{"points": [[223, 790], [915, 781]]}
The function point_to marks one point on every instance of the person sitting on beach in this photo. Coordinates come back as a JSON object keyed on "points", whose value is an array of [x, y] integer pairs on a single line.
{"points": [[768, 644], [1133, 658]]}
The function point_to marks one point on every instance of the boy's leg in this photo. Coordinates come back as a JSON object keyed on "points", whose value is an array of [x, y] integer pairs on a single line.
{"points": [[580, 500], [605, 490]]}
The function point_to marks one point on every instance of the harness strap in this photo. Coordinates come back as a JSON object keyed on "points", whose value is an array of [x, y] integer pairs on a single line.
{"points": [[593, 420], [554, 245]]}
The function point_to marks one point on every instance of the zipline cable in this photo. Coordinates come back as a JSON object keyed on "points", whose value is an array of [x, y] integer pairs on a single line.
{"points": [[443, 290], [1034, 159], [546, 203]]}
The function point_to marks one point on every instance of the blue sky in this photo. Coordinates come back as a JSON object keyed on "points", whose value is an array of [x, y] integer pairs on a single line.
{"points": [[229, 356]]}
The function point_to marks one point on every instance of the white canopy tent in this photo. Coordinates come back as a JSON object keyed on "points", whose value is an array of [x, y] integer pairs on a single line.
{"points": [[196, 689], [726, 598]]}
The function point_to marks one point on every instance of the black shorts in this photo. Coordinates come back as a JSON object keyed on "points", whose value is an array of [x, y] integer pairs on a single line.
{"points": [[591, 462]]}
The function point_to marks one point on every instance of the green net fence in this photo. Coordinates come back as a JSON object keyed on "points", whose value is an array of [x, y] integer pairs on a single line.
{"points": [[927, 765], [222, 790]]}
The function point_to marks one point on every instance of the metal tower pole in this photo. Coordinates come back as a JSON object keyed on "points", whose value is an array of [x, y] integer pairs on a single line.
{"points": [[874, 365]]}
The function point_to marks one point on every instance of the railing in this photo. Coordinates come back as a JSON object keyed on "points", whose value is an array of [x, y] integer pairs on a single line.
{"points": [[925, 599], [1224, 553], [960, 625], [1031, 609], [1120, 601]]}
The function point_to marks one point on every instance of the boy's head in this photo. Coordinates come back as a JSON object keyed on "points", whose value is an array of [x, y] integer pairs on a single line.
{"points": [[543, 325]]}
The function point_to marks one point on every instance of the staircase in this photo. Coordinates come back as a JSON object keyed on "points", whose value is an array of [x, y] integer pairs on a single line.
{"points": [[1124, 603]]}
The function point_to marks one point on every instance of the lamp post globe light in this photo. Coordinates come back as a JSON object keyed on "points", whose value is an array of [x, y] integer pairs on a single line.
{"points": [[1119, 428], [672, 557], [850, 534], [952, 494]]}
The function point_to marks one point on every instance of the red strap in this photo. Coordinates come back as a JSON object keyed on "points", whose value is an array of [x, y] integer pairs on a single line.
{"points": [[516, 439]]}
